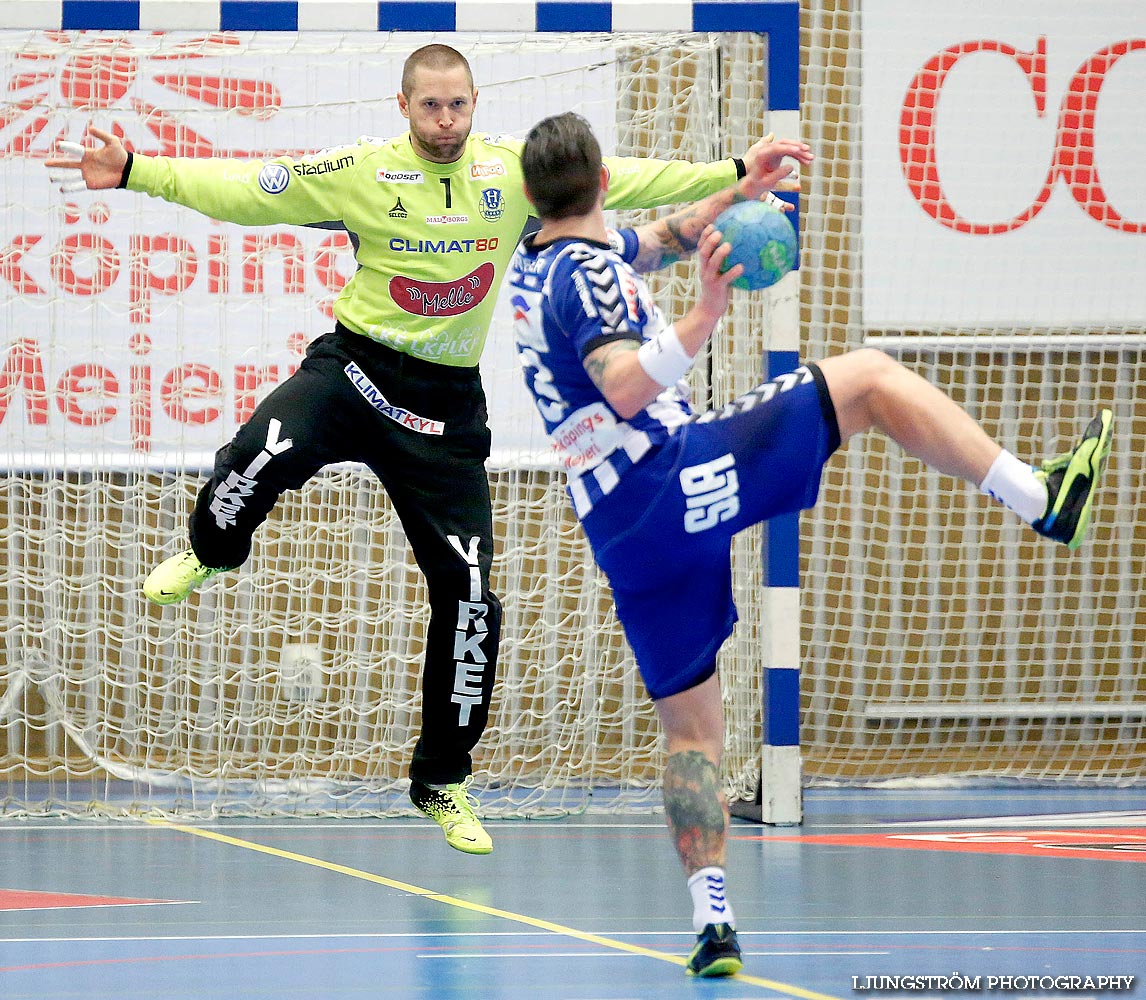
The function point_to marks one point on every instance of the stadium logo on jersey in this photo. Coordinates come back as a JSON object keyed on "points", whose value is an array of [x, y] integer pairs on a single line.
{"points": [[486, 169], [400, 177], [442, 298], [492, 207], [274, 178], [310, 165], [447, 220], [398, 211]]}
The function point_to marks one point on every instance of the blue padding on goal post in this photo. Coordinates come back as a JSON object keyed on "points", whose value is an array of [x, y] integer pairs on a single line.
{"points": [[258, 15], [781, 707], [793, 199], [781, 536], [781, 362], [412, 15], [780, 556], [565, 16], [96, 15], [780, 21]]}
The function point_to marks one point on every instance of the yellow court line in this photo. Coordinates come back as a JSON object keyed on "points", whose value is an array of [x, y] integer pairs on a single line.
{"points": [[464, 904]]}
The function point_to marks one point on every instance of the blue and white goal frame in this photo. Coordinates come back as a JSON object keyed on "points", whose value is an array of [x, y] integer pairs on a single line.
{"points": [[779, 800]]}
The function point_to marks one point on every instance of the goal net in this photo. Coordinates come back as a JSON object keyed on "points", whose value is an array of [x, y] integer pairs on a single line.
{"points": [[138, 336], [976, 210], [940, 640]]}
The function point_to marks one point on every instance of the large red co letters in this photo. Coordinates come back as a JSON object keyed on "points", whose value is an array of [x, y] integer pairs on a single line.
{"points": [[1073, 159]]}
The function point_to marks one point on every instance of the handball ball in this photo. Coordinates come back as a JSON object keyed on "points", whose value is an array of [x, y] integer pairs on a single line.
{"points": [[762, 239]]}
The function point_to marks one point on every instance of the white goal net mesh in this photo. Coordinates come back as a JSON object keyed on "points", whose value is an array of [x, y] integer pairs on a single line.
{"points": [[138, 335], [942, 639]]}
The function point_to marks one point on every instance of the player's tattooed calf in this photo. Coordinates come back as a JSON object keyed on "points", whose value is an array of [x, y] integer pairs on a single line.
{"points": [[695, 809]]}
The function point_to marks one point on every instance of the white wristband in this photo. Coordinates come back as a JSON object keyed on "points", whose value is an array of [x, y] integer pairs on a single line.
{"points": [[663, 358]]}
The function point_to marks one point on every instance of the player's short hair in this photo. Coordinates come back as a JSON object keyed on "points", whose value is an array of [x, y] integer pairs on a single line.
{"points": [[437, 57], [561, 164]]}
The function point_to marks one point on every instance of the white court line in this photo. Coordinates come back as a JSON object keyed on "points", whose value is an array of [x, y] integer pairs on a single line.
{"points": [[545, 934], [616, 954], [947, 794], [128, 824], [1135, 817], [89, 906], [556, 826]]}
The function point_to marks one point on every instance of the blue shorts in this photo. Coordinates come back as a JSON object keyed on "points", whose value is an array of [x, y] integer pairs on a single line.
{"points": [[663, 535]]}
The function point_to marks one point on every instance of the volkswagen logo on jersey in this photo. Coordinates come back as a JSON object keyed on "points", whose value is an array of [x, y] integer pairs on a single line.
{"points": [[274, 178], [492, 206]]}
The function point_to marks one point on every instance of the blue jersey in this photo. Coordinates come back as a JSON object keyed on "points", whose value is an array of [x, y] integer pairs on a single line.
{"points": [[700, 479], [570, 297]]}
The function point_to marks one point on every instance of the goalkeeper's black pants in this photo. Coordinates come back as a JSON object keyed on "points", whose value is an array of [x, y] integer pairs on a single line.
{"points": [[422, 429]]}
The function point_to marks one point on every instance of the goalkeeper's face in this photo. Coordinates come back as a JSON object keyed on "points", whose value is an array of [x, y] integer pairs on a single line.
{"points": [[440, 107]]}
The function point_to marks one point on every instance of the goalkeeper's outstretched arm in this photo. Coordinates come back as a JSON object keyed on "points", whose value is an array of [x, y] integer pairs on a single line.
{"points": [[224, 189]]}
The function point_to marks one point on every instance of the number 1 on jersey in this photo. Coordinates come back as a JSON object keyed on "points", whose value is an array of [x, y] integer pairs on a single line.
{"points": [[449, 200]]}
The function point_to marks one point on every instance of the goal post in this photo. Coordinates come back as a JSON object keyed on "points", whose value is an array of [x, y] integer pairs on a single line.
{"points": [[138, 335]]}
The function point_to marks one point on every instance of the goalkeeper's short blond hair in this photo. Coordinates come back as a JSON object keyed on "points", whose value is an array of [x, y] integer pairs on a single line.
{"points": [[436, 56]]}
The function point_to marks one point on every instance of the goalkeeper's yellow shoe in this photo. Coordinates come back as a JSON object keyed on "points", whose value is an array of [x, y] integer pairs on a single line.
{"points": [[452, 808], [1071, 480], [173, 579]]}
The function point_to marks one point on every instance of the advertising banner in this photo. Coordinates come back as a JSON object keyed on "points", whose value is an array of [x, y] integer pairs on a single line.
{"points": [[1001, 165]]}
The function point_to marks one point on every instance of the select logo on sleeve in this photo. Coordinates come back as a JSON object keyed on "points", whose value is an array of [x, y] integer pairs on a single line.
{"points": [[274, 178]]}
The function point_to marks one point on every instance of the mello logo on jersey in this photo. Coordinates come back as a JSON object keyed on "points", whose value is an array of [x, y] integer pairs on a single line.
{"points": [[442, 298]]}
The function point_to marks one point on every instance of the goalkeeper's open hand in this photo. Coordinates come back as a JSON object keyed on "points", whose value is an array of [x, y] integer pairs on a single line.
{"points": [[98, 168], [768, 166]]}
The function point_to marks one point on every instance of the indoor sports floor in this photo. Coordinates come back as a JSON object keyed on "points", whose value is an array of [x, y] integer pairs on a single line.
{"points": [[979, 882]]}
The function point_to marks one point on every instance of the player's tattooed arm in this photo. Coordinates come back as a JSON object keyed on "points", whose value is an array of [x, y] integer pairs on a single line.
{"points": [[768, 163], [599, 362], [676, 236], [695, 809]]}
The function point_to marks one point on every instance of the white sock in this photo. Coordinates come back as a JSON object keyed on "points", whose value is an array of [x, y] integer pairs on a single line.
{"points": [[1014, 485], [709, 902]]}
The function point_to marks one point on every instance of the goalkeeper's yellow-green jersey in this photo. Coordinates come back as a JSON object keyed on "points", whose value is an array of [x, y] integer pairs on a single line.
{"points": [[433, 239]]}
